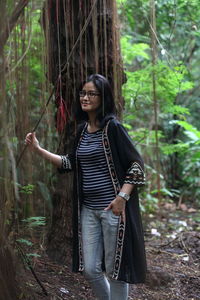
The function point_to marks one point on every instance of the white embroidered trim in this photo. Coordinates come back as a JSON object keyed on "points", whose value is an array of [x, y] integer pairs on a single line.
{"points": [[134, 182], [135, 174], [66, 164], [116, 185]]}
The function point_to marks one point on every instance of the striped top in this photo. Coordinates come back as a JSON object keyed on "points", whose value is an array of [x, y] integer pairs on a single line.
{"points": [[97, 184]]}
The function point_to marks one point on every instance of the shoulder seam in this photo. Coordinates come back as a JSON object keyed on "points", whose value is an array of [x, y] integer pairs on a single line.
{"points": [[115, 122]]}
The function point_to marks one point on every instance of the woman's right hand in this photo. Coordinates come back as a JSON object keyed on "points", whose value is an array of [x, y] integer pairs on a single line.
{"points": [[32, 141]]}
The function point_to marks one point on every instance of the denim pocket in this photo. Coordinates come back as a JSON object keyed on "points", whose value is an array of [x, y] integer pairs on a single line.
{"points": [[113, 215]]}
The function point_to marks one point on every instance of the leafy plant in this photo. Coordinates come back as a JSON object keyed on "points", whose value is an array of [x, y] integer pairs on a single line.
{"points": [[27, 256], [178, 149], [149, 204], [35, 221], [27, 189], [24, 241], [191, 165]]}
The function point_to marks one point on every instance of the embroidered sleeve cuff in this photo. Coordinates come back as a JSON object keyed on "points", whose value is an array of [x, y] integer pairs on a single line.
{"points": [[66, 164], [135, 175]]}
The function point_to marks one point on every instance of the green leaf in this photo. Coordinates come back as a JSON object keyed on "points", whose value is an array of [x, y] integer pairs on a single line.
{"points": [[35, 221], [176, 109], [190, 130], [33, 255], [24, 241], [130, 50], [27, 189], [176, 148]]}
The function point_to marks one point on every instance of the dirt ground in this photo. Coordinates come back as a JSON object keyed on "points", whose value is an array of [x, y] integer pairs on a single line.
{"points": [[173, 254]]}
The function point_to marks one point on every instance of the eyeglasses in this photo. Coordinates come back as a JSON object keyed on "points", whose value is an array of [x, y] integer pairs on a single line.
{"points": [[90, 94]]}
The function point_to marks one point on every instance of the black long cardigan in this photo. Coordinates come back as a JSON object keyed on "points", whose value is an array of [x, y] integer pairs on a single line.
{"points": [[125, 166]]}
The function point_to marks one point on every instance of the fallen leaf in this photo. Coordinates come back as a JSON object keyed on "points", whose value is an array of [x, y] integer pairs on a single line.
{"points": [[191, 210], [170, 206], [183, 207]]}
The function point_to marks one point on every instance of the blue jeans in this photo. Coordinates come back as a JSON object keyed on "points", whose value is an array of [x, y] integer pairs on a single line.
{"points": [[99, 234]]}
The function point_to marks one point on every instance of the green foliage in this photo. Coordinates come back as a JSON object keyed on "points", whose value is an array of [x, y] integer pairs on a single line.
{"points": [[178, 34], [191, 167], [131, 51], [120, 1], [180, 147], [32, 255], [27, 189], [24, 241], [177, 110], [144, 134], [190, 131], [165, 192], [35, 221], [193, 144], [29, 255], [177, 92], [149, 204], [169, 83]]}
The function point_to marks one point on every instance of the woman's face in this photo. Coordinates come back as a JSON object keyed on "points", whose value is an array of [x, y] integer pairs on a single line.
{"points": [[90, 98]]}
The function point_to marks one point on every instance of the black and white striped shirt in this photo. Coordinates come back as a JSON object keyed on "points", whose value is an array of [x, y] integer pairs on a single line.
{"points": [[97, 185]]}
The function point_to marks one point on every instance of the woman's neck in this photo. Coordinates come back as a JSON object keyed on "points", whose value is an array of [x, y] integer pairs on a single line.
{"points": [[93, 124]]}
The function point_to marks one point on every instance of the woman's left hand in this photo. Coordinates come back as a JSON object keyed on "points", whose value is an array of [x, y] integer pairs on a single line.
{"points": [[118, 207]]}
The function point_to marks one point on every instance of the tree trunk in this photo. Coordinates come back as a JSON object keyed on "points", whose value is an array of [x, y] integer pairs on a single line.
{"points": [[154, 92], [82, 38], [8, 285]]}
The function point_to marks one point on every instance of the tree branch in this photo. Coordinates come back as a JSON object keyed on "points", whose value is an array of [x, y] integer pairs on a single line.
{"points": [[5, 32]]}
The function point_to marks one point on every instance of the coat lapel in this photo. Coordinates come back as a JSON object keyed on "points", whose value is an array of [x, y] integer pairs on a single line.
{"points": [[117, 187]]}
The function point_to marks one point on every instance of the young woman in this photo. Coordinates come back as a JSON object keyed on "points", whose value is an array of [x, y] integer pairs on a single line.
{"points": [[108, 243]]}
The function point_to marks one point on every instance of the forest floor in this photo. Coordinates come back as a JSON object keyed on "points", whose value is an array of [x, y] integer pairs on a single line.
{"points": [[172, 240]]}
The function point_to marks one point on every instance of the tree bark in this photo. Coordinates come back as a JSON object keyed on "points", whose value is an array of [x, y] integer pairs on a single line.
{"points": [[8, 285]]}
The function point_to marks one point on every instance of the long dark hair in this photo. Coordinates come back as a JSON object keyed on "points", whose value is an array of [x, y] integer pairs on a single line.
{"points": [[107, 106]]}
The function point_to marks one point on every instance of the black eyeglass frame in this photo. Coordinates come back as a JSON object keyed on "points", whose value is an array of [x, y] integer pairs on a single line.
{"points": [[90, 94]]}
